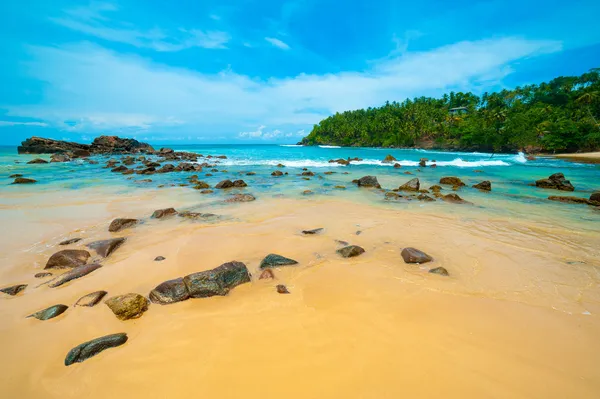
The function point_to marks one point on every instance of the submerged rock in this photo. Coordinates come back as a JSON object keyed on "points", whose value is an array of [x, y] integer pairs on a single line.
{"points": [[91, 299], [128, 306], [282, 289], [274, 260], [15, 176], [170, 291], [571, 200], [556, 181], [267, 274], [163, 213], [368, 181], [224, 184], [23, 180], [106, 247], [277, 173], [425, 197], [440, 270], [454, 198], [423, 162], [76, 273], [69, 241], [37, 161], [14, 290], [351, 251], [67, 258], [240, 198], [413, 255], [49, 313], [313, 231], [201, 185], [485, 185], [218, 281], [452, 181], [92, 348], [411, 185], [121, 224]]}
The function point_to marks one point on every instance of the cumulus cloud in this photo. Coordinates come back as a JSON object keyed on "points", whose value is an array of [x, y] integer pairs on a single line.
{"points": [[101, 90], [277, 43]]}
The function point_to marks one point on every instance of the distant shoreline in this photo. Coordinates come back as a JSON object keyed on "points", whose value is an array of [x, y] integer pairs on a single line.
{"points": [[586, 157]]}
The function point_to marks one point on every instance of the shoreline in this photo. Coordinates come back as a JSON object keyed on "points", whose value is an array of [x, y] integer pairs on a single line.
{"points": [[585, 157]]}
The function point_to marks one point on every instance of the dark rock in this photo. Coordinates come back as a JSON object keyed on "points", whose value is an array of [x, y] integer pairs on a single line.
{"points": [[91, 299], [368, 181], [570, 200], [120, 169], [250, 174], [595, 197], [15, 176], [68, 258], [201, 185], [14, 290], [440, 270], [121, 224], [128, 306], [42, 275], [239, 183], [485, 185], [313, 231], [111, 144], [218, 281], [59, 158], [452, 181], [38, 145], [340, 161], [49, 313], [92, 348], [277, 173], [163, 213], [166, 168], [69, 241], [206, 192], [282, 289], [389, 159], [267, 274], [159, 258], [309, 173], [351, 251], [274, 260], [423, 162], [413, 255], [397, 166], [106, 247], [23, 180], [436, 188], [37, 160], [390, 195], [241, 198], [411, 185], [425, 197], [307, 192], [170, 291], [73, 274], [454, 198], [224, 184], [556, 181], [280, 165]]}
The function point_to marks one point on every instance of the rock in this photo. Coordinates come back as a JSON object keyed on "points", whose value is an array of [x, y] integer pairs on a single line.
{"points": [[308, 173], [37, 160], [239, 183], [38, 145], [166, 168], [14, 289], [389, 159], [59, 158], [67, 258], [413, 255], [425, 197], [241, 198], [436, 188], [224, 184], [170, 291], [42, 275], [92, 348], [454, 198], [452, 181], [307, 192], [164, 213], [282, 289], [206, 192], [277, 173], [197, 215], [250, 174], [218, 281], [49, 313], [313, 231], [159, 258], [570, 200], [556, 181], [267, 274], [392, 195], [23, 180], [274, 260], [73, 274], [120, 169], [128, 306], [106, 247], [411, 185], [368, 181], [100, 145], [439, 270], [485, 185], [70, 241], [595, 196], [423, 162], [111, 144], [15, 176], [121, 224], [340, 187], [340, 161], [351, 251], [201, 185], [91, 299]]}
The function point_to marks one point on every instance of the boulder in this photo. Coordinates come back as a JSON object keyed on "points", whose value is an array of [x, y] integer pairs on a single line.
{"points": [[423, 162], [389, 159], [239, 183], [59, 158], [452, 181], [121, 224], [267, 274], [595, 196], [73, 274], [425, 197], [368, 181], [70, 241], [37, 160], [163, 213], [411, 185], [128, 306], [485, 185], [91, 299], [440, 270], [67, 258], [277, 173], [413, 255], [170, 291], [454, 199], [201, 185], [313, 231], [282, 289], [92, 348], [14, 289], [308, 173], [218, 281], [351, 251], [49, 313], [397, 166], [436, 188], [120, 169], [166, 168], [556, 181], [106, 247], [274, 260], [224, 184], [240, 198], [23, 180]]}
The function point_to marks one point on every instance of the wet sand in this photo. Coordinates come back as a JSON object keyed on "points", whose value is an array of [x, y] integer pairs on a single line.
{"points": [[517, 317]]}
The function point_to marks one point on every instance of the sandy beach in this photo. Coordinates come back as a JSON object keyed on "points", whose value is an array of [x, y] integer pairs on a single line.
{"points": [[588, 157]]}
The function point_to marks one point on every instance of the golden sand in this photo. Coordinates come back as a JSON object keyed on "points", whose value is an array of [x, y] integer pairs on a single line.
{"points": [[588, 157], [517, 318]]}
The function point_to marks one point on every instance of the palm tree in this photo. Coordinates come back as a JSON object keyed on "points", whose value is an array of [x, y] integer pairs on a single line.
{"points": [[587, 99]]}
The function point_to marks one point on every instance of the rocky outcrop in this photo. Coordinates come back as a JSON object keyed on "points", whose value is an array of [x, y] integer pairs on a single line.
{"points": [[351, 251], [485, 185], [76, 273], [274, 260], [92, 348], [367, 181], [49, 313], [163, 213], [556, 181], [121, 224], [91, 299], [170, 291], [14, 289], [100, 145], [411, 185], [413, 255], [67, 258], [106, 247], [39, 145], [128, 306], [218, 281], [110, 144]]}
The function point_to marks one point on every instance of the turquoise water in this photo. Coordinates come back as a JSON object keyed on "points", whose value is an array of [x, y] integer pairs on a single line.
{"points": [[511, 176]]}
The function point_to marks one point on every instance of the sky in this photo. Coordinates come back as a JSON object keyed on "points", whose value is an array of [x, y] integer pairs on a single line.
{"points": [[265, 71]]}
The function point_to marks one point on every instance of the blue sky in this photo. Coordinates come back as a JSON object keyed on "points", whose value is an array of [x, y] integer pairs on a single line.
{"points": [[265, 71]]}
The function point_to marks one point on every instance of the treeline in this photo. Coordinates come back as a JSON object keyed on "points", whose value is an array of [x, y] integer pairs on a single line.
{"points": [[561, 115]]}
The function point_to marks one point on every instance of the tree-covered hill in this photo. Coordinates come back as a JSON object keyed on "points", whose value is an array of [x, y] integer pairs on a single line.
{"points": [[561, 115]]}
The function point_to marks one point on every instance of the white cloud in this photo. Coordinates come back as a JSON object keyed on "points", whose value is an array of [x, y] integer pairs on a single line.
{"points": [[101, 90], [277, 43], [92, 20], [10, 123]]}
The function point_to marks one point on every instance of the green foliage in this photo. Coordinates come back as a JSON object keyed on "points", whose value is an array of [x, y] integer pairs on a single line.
{"points": [[561, 115]]}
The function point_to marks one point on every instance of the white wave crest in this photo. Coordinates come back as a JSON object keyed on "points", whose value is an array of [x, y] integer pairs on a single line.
{"points": [[290, 145], [300, 163], [457, 162], [330, 146], [520, 158]]}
